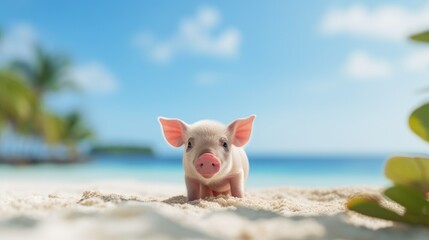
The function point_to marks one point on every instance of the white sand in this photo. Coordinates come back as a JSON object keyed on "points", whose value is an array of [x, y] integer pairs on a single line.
{"points": [[137, 210]]}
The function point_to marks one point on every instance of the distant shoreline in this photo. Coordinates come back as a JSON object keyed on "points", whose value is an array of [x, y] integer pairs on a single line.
{"points": [[105, 150], [34, 160]]}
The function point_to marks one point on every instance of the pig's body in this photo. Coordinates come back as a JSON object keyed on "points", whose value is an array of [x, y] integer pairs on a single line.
{"points": [[214, 160]]}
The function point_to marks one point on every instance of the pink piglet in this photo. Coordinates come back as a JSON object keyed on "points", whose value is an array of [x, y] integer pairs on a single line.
{"points": [[214, 160]]}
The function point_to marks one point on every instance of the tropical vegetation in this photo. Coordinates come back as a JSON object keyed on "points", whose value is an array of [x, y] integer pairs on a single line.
{"points": [[409, 175], [24, 84]]}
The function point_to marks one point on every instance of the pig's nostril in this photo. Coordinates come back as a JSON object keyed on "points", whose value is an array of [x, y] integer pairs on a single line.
{"points": [[201, 164], [213, 164]]}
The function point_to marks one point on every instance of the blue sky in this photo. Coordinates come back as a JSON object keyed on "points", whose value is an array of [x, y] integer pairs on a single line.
{"points": [[321, 76]]}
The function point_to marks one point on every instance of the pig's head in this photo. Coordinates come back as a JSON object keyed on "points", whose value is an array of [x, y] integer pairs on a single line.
{"points": [[207, 144]]}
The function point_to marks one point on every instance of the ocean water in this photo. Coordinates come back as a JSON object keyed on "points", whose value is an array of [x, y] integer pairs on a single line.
{"points": [[265, 171]]}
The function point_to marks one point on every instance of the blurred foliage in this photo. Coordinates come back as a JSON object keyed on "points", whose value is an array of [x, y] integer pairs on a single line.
{"points": [[411, 184], [410, 176], [414, 202], [23, 85], [410, 171], [421, 37], [17, 100], [46, 73], [419, 122], [74, 130], [51, 126]]}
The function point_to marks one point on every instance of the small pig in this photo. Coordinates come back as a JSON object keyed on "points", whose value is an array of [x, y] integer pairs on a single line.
{"points": [[214, 159]]}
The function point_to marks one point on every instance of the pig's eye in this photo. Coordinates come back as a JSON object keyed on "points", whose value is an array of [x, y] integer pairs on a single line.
{"points": [[224, 143], [189, 145]]}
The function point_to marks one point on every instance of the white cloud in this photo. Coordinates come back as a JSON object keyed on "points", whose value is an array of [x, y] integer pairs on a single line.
{"points": [[360, 65], [17, 43], [388, 22], [195, 35], [94, 77]]}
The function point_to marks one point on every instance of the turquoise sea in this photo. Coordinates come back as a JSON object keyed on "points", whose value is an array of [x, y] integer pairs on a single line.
{"points": [[265, 171]]}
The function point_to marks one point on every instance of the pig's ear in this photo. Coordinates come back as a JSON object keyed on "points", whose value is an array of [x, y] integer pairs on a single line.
{"points": [[174, 130], [240, 130]]}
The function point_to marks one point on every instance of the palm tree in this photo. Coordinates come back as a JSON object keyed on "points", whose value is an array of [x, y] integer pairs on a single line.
{"points": [[74, 131], [17, 101], [47, 73], [22, 92], [17, 106], [20, 108]]}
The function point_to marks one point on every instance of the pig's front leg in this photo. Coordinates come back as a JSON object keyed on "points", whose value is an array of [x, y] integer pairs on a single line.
{"points": [[206, 191], [193, 188], [237, 185]]}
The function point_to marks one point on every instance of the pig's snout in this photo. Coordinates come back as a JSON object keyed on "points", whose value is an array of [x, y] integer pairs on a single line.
{"points": [[207, 164]]}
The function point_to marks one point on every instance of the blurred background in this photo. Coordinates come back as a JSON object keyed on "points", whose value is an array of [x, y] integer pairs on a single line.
{"points": [[332, 84]]}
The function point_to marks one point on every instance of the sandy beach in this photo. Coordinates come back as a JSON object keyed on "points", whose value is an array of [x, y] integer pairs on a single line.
{"points": [[140, 210]]}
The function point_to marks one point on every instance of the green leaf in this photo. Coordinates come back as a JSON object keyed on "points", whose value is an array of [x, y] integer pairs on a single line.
{"points": [[17, 100], [411, 171], [419, 122], [421, 37], [370, 207], [412, 199]]}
